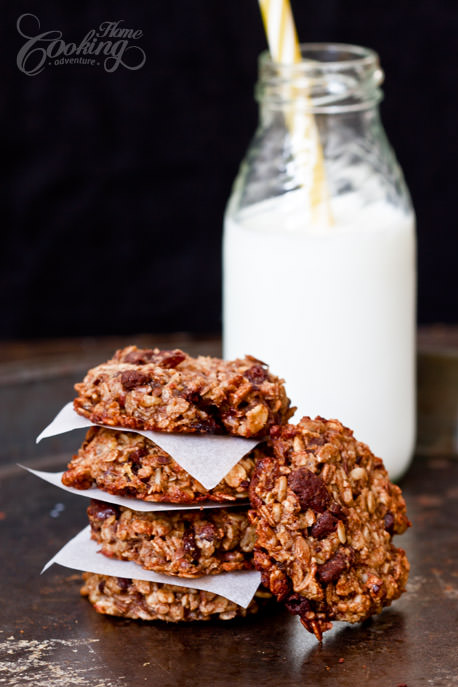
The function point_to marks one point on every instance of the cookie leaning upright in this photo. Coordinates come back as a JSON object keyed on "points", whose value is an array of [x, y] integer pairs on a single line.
{"points": [[325, 513], [169, 391]]}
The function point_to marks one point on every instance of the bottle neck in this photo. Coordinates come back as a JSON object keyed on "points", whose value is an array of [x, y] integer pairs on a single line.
{"points": [[331, 79]]}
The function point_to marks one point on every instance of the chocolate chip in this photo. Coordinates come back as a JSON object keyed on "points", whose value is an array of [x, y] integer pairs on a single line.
{"points": [[337, 510], [256, 374], [333, 568], [132, 378], [163, 460], [298, 605], [389, 522], [141, 356], [98, 510], [207, 532], [189, 545], [309, 489], [190, 396], [135, 458], [137, 453], [212, 412], [123, 583], [208, 426], [169, 359], [325, 524]]}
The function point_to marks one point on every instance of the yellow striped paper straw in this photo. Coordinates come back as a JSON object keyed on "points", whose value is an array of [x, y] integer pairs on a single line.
{"points": [[284, 49], [280, 30]]}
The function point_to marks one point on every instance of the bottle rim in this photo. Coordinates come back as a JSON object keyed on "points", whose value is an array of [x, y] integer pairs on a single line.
{"points": [[331, 78], [350, 55]]}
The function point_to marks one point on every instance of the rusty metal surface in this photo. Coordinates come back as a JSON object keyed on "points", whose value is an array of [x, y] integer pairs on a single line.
{"points": [[50, 636]]}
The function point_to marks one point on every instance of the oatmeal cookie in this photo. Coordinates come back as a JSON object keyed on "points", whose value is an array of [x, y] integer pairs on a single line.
{"points": [[153, 601], [129, 464], [183, 543], [168, 391], [325, 513]]}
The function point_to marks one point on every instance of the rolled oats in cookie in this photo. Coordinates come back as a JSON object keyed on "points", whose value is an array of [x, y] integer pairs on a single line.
{"points": [[325, 513], [169, 391], [129, 464], [183, 543], [143, 600]]}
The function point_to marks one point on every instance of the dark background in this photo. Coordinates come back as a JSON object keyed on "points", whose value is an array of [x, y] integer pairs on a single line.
{"points": [[114, 185]]}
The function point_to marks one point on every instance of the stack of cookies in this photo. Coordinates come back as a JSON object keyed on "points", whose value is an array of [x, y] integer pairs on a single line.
{"points": [[168, 391], [323, 510]]}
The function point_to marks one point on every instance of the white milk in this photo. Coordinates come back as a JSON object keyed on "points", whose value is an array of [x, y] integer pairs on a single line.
{"points": [[332, 311]]}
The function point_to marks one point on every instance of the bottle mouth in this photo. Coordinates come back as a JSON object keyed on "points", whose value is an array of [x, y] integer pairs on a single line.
{"points": [[330, 78]]}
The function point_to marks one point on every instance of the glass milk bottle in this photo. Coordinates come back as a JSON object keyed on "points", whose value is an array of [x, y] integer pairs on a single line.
{"points": [[329, 305]]}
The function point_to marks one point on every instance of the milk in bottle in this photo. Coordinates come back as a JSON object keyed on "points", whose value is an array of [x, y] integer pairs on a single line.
{"points": [[329, 306]]}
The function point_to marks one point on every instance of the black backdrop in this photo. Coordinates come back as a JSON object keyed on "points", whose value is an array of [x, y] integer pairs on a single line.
{"points": [[114, 184]]}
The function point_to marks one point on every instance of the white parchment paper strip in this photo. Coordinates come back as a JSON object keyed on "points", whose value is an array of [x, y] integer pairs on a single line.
{"points": [[80, 553], [207, 457], [55, 478]]}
